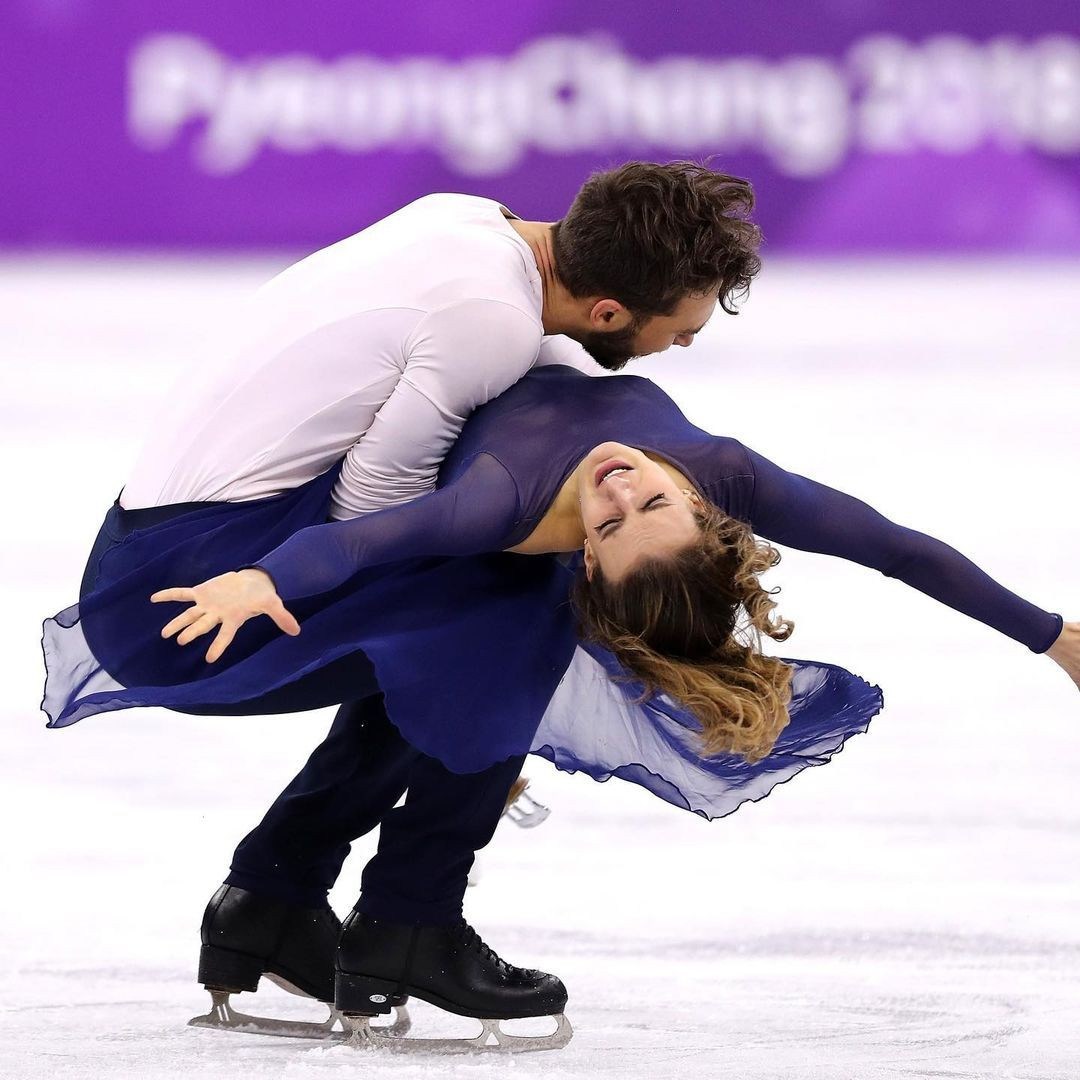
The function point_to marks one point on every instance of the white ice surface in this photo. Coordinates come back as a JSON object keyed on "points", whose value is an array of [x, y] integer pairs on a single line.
{"points": [[912, 910]]}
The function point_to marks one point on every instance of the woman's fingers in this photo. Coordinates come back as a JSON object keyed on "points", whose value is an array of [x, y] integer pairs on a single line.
{"points": [[185, 618], [225, 601], [222, 641], [173, 595], [203, 625], [284, 620]]}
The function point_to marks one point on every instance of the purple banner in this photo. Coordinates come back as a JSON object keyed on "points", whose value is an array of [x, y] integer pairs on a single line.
{"points": [[865, 126]]}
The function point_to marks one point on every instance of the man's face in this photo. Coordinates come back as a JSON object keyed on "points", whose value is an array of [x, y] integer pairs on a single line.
{"points": [[611, 349]]}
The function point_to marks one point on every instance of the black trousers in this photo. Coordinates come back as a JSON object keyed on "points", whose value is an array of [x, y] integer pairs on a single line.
{"points": [[348, 787]]}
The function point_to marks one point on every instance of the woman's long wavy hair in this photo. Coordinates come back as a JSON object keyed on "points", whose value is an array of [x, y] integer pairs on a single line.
{"points": [[690, 626]]}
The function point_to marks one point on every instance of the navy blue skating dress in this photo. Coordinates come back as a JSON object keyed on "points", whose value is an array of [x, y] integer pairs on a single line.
{"points": [[475, 648]]}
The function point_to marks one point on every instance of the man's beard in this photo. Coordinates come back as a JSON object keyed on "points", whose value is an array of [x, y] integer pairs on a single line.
{"points": [[612, 349]]}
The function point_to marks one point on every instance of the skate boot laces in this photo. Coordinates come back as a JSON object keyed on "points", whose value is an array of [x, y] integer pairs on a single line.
{"points": [[470, 939]]}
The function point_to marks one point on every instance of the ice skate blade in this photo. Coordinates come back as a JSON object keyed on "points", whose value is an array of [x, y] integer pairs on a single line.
{"points": [[526, 812], [224, 1017], [364, 1037]]}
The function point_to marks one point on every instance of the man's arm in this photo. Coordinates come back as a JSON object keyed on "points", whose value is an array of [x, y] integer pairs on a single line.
{"points": [[458, 357]]}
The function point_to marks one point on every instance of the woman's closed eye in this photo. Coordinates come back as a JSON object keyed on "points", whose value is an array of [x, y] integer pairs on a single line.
{"points": [[647, 505]]}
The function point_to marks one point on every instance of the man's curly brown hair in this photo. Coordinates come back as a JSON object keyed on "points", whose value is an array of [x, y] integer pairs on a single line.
{"points": [[649, 235]]}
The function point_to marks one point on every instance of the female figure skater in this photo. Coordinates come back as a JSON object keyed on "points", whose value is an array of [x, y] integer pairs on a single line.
{"points": [[477, 657], [666, 517]]}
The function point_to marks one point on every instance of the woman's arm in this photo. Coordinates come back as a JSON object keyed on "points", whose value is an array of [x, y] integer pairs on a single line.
{"points": [[793, 510], [474, 514]]}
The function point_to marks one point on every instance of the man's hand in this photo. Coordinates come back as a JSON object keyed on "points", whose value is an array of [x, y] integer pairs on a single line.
{"points": [[229, 601], [1066, 650]]}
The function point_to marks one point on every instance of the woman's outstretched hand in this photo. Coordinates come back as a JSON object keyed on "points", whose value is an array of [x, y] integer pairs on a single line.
{"points": [[227, 601], [1066, 650]]}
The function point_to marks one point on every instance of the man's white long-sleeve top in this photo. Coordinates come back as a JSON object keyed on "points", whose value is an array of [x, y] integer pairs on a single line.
{"points": [[376, 349]]}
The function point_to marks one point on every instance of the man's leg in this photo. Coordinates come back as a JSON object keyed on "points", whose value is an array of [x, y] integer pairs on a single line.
{"points": [[346, 788], [271, 916], [427, 845], [406, 935]]}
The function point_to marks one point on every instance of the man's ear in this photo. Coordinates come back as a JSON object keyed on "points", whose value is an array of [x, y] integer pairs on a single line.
{"points": [[608, 315], [590, 560], [694, 497]]}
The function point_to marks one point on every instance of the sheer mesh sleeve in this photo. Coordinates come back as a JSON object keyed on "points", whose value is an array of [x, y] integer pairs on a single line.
{"points": [[800, 513], [474, 513]]}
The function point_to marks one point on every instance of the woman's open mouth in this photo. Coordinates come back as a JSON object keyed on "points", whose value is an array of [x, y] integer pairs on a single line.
{"points": [[610, 468]]}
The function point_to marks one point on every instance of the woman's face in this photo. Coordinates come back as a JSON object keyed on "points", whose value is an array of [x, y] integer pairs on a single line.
{"points": [[631, 508]]}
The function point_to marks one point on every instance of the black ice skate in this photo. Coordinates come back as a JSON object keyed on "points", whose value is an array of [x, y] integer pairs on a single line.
{"points": [[379, 963], [246, 936]]}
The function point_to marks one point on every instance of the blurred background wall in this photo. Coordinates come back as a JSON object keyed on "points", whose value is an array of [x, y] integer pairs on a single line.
{"points": [[866, 126]]}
